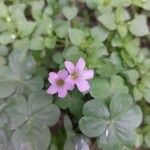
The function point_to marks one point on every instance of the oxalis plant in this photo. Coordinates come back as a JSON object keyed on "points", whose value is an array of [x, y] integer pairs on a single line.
{"points": [[74, 75]]}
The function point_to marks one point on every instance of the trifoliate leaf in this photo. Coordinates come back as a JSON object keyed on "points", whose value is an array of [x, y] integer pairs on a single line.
{"points": [[32, 135], [114, 125]]}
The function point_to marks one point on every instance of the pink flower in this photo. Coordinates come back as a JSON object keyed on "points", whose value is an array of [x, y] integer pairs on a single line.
{"points": [[59, 84], [79, 75]]}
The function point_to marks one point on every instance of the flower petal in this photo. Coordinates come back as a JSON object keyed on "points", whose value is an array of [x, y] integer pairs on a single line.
{"points": [[52, 77], [62, 74], [80, 65], [62, 93], [70, 80], [69, 66], [87, 74], [69, 86], [83, 85], [52, 90]]}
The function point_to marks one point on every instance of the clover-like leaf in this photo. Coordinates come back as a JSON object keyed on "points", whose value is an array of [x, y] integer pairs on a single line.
{"points": [[30, 120], [7, 38], [76, 36], [21, 45], [70, 12], [38, 107], [8, 82], [74, 102], [99, 88], [17, 111], [17, 77], [5, 141], [73, 53], [138, 26], [103, 88], [37, 43], [62, 29], [37, 7], [114, 125], [99, 33], [108, 20], [32, 135], [25, 28]]}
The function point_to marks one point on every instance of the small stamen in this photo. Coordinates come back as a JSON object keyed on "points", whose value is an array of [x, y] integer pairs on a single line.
{"points": [[60, 82], [74, 75]]}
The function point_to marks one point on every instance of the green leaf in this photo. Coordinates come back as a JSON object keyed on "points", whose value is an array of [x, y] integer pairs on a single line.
{"points": [[99, 88], [95, 119], [137, 94], [5, 140], [106, 68], [102, 88], [37, 43], [92, 3], [146, 94], [4, 10], [147, 139], [40, 108], [132, 76], [7, 88], [68, 124], [146, 80], [70, 12], [139, 140], [99, 33], [21, 45], [57, 57], [32, 135], [7, 38], [50, 42], [117, 85], [73, 54], [37, 8], [8, 84], [114, 125], [62, 29], [138, 26], [25, 28], [123, 111], [76, 36], [108, 20], [17, 111], [43, 27], [3, 50]]}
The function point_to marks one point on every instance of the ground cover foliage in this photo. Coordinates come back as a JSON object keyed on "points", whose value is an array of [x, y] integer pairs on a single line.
{"points": [[38, 36]]}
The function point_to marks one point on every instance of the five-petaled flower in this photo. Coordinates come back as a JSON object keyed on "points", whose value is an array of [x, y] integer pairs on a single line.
{"points": [[64, 81], [59, 84], [78, 75]]}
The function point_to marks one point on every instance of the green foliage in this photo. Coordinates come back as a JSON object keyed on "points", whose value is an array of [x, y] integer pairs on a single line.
{"points": [[114, 126], [37, 36]]}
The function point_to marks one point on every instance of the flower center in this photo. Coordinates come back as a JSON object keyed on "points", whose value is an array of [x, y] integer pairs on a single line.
{"points": [[74, 75], [60, 82]]}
